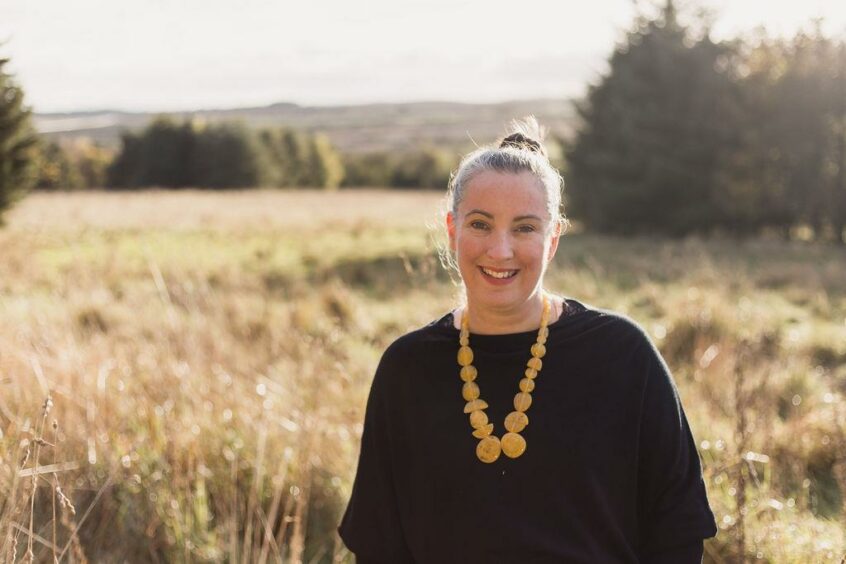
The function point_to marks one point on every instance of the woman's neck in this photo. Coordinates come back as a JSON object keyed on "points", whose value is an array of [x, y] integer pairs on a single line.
{"points": [[486, 321]]}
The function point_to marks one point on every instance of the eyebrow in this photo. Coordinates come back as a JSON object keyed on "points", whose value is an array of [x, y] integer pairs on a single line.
{"points": [[490, 216]]}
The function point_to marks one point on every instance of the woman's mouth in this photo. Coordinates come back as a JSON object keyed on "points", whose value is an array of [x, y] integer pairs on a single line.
{"points": [[498, 275]]}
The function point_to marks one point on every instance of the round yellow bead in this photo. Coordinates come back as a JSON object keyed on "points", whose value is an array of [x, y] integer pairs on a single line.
{"points": [[463, 341], [542, 340], [475, 405], [531, 373], [535, 363], [469, 373], [513, 445], [470, 391], [538, 350], [488, 449], [483, 432], [544, 333], [527, 385], [478, 419], [465, 356], [522, 401], [516, 421]]}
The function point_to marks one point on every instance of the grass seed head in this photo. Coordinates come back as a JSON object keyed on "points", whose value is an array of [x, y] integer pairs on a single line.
{"points": [[48, 405]]}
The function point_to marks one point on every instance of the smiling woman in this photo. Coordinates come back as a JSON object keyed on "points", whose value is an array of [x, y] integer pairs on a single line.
{"points": [[503, 239], [599, 462]]}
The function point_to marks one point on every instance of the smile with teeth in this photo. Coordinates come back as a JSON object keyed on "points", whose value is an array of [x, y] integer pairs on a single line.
{"points": [[498, 274]]}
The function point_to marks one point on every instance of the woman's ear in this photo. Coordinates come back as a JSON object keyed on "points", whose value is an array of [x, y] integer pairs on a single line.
{"points": [[450, 221], [553, 244]]}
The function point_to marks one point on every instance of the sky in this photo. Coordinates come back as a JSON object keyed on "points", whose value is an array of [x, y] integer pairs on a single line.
{"points": [[169, 55]]}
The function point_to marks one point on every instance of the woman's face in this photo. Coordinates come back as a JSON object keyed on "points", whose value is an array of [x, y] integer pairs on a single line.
{"points": [[503, 240]]}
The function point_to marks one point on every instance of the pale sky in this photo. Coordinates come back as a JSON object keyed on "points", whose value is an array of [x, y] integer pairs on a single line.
{"points": [[160, 55]]}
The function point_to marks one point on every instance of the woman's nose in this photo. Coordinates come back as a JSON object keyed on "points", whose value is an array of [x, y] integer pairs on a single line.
{"points": [[501, 247]]}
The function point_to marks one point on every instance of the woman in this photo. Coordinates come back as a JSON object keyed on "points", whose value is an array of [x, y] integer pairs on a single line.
{"points": [[523, 427]]}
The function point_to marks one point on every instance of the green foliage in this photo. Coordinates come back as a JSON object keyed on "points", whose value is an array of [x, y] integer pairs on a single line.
{"points": [[287, 150], [367, 169], [223, 155], [71, 166], [56, 171], [792, 167], [427, 167], [685, 135], [166, 148], [17, 142], [655, 132], [323, 166], [93, 162]]}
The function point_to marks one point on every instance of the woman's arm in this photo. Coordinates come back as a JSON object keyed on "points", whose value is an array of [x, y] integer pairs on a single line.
{"points": [[371, 527], [673, 508]]}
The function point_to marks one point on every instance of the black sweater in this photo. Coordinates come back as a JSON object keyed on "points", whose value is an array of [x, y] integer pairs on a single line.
{"points": [[610, 473]]}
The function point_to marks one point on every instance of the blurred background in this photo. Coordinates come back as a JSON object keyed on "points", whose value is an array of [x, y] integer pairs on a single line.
{"points": [[215, 217]]}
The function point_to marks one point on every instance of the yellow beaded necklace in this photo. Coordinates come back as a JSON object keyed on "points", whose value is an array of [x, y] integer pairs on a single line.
{"points": [[512, 443]]}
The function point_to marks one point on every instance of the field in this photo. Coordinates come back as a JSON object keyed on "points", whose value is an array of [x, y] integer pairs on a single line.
{"points": [[208, 356]]}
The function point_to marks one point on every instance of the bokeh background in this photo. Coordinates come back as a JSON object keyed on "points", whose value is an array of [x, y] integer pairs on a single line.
{"points": [[216, 216]]}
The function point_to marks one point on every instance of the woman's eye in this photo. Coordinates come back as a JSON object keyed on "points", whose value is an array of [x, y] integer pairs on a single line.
{"points": [[478, 225], [526, 228]]}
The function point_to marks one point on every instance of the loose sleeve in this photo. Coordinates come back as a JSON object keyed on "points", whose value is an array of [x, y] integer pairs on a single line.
{"points": [[371, 526], [673, 508]]}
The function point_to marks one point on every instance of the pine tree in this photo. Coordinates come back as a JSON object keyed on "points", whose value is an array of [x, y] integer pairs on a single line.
{"points": [[791, 167], [17, 142], [654, 132]]}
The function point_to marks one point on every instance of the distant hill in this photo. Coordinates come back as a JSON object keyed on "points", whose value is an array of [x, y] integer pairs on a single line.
{"points": [[372, 127]]}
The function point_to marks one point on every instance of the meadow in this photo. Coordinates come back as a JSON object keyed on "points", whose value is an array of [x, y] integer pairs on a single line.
{"points": [[183, 374]]}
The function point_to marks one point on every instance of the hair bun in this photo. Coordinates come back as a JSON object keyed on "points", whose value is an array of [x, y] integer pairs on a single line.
{"points": [[520, 141]]}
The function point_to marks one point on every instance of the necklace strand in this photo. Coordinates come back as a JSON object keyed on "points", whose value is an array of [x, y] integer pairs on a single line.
{"points": [[512, 443]]}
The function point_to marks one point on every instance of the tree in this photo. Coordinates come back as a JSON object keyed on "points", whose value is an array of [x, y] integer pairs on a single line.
{"points": [[222, 155], [158, 156], [324, 166], [427, 167], [295, 147], [56, 171], [655, 131], [791, 167], [228, 155], [167, 147], [368, 169], [92, 160], [811, 109], [126, 169], [838, 207], [17, 142]]}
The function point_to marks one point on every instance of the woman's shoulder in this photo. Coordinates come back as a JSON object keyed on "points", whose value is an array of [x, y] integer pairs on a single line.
{"points": [[419, 341], [614, 335], [583, 319]]}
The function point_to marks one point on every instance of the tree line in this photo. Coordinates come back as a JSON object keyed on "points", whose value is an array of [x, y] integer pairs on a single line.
{"points": [[173, 154], [684, 135], [230, 155]]}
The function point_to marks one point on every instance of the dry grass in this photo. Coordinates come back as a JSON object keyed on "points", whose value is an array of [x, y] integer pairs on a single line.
{"points": [[208, 357], [205, 209]]}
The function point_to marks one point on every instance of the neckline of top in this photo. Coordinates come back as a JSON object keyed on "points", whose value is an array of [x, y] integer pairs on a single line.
{"points": [[574, 310]]}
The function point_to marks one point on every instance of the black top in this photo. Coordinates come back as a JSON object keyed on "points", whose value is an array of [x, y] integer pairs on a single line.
{"points": [[610, 473]]}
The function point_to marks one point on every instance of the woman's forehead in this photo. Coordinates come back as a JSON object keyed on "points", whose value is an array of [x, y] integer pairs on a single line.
{"points": [[497, 193]]}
